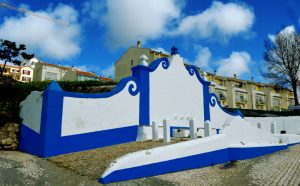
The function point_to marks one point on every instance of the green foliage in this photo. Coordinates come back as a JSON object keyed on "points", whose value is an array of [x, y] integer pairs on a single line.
{"points": [[13, 92], [9, 52]]}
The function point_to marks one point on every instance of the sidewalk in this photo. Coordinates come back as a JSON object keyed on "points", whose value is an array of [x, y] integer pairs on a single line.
{"points": [[281, 168]]}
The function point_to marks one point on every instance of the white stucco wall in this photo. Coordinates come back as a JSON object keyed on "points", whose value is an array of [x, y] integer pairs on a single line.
{"points": [[241, 130], [218, 117], [83, 115], [175, 95], [290, 124], [31, 111], [169, 152], [238, 131]]}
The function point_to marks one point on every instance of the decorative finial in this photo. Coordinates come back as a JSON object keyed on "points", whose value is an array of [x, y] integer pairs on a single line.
{"points": [[144, 59], [174, 50]]}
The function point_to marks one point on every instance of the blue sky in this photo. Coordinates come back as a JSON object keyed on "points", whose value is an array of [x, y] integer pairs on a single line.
{"points": [[226, 36]]}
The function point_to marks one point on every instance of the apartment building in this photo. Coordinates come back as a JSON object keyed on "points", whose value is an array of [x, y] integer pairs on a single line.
{"points": [[35, 70], [45, 72], [26, 74], [231, 91], [12, 71], [237, 93], [131, 58]]}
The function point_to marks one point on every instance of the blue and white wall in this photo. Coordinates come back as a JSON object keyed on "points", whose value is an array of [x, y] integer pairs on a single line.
{"points": [[289, 124], [175, 94], [57, 122], [238, 140]]}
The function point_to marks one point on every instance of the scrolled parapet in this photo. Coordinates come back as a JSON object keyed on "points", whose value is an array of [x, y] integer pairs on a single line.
{"points": [[133, 90], [133, 87], [194, 71], [164, 61], [213, 101]]}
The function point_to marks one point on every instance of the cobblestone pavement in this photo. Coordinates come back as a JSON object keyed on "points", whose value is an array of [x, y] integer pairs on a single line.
{"points": [[17, 168], [281, 168]]}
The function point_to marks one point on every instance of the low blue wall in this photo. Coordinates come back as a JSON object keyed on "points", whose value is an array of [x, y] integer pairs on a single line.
{"points": [[190, 162]]}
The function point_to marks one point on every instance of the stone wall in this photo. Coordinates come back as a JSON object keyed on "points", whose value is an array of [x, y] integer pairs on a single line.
{"points": [[9, 136]]}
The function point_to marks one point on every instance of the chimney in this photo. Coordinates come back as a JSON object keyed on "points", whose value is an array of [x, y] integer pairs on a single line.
{"points": [[215, 72], [138, 44], [252, 78], [234, 75]]}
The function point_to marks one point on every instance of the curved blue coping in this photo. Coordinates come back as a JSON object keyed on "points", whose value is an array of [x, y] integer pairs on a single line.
{"points": [[120, 86], [213, 104], [154, 65], [190, 162], [166, 63], [193, 70]]}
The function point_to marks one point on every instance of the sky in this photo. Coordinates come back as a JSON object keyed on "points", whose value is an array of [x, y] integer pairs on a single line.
{"points": [[226, 36]]}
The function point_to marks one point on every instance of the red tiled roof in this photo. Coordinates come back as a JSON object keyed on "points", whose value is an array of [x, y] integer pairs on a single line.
{"points": [[54, 65], [106, 79], [86, 73], [9, 66]]}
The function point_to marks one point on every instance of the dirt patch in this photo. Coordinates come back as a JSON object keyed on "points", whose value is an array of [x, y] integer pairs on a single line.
{"points": [[92, 163]]}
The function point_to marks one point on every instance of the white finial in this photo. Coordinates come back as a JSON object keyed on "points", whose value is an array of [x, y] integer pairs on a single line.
{"points": [[144, 59]]}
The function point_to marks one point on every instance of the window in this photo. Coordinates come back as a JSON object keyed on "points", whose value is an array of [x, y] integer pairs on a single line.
{"points": [[276, 101], [221, 95], [259, 99], [26, 79], [291, 102], [51, 76], [26, 72], [240, 97], [132, 62]]}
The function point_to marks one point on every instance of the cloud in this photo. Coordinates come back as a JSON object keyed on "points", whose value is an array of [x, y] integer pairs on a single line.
{"points": [[225, 20], [93, 11], [129, 20], [286, 30], [44, 37], [7, 63], [203, 57], [109, 71], [160, 49], [237, 64]]}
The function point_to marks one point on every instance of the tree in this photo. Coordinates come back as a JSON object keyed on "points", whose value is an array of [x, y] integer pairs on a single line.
{"points": [[282, 61], [10, 52]]}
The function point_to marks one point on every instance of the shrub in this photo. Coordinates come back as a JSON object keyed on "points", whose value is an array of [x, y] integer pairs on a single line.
{"points": [[13, 92]]}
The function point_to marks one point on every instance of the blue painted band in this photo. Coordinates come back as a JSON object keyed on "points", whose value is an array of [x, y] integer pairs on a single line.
{"points": [[193, 70], [175, 127], [180, 164], [292, 144], [143, 77], [30, 141], [92, 140], [132, 89], [189, 162], [252, 152], [213, 103]]}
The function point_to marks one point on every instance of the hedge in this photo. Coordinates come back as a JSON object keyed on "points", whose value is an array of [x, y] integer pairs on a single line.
{"points": [[13, 92]]}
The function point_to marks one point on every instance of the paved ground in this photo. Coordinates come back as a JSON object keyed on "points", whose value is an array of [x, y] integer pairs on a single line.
{"points": [[281, 168], [18, 168]]}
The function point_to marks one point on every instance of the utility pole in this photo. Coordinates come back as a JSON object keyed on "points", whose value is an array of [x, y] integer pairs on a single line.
{"points": [[24, 11]]}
